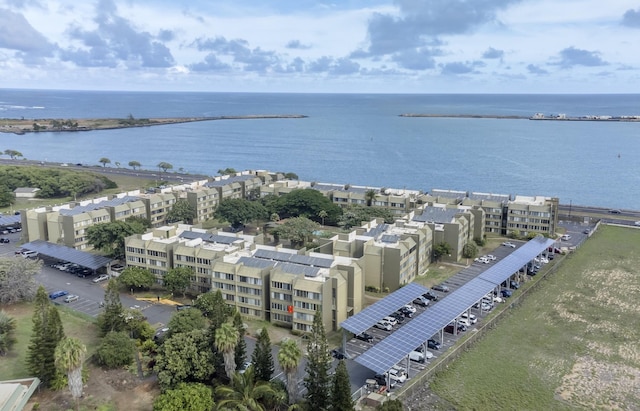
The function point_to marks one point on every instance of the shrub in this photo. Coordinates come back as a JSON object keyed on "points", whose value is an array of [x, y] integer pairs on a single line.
{"points": [[115, 350]]}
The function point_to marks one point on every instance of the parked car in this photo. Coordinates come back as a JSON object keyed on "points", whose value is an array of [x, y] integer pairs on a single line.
{"points": [[29, 254], [398, 316], [365, 337], [483, 260], [4, 240], [428, 355], [450, 327], [506, 293], [509, 244], [410, 308], [492, 257], [470, 317], [544, 260], [417, 356], [433, 344], [565, 237], [586, 231], [421, 301], [430, 296], [615, 211], [383, 325], [103, 277], [441, 287], [512, 284], [398, 374], [637, 223], [382, 380], [390, 320], [71, 298], [406, 312], [464, 322], [58, 294], [337, 354]]}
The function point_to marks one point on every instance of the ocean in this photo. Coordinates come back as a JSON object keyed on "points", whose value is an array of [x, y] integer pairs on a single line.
{"points": [[358, 139]]}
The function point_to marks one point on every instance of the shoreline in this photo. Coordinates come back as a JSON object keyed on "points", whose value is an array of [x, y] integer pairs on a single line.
{"points": [[24, 126], [629, 119]]}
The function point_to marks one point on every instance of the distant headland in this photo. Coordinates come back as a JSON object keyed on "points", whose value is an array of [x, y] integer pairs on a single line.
{"points": [[537, 116], [23, 126]]}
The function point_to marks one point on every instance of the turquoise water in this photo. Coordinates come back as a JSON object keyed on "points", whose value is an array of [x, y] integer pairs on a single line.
{"points": [[359, 139]]}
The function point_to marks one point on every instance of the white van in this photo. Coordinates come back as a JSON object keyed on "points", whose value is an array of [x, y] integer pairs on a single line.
{"points": [[29, 254]]}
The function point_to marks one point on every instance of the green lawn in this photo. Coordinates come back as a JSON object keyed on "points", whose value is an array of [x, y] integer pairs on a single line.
{"points": [[13, 365], [573, 342]]}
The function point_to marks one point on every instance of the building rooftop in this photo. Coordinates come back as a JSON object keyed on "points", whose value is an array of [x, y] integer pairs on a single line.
{"points": [[91, 205], [437, 215]]}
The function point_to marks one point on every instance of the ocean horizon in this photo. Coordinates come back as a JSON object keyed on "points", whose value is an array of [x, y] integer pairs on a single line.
{"points": [[358, 139]]}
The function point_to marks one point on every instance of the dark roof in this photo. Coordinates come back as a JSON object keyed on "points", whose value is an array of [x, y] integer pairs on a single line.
{"points": [[256, 262], [376, 231], [230, 180], [96, 206], [366, 318], [293, 258], [11, 219], [437, 215], [64, 253], [210, 238]]}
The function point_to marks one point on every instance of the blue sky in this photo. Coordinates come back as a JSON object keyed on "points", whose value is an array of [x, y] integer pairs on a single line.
{"points": [[354, 46]]}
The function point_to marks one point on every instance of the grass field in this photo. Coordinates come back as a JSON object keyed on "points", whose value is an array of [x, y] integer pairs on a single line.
{"points": [[14, 365], [572, 344]]}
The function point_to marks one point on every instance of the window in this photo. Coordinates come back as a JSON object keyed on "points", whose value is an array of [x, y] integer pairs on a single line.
{"points": [[281, 296], [281, 317], [282, 286], [223, 276]]}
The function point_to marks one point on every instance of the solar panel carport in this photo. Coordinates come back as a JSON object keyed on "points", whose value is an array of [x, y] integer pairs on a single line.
{"points": [[72, 255], [366, 318], [397, 346]]}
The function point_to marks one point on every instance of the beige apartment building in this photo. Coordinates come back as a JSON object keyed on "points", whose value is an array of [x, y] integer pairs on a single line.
{"points": [[273, 284], [528, 215]]}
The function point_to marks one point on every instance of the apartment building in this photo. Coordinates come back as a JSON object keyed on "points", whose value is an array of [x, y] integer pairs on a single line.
{"points": [[453, 226], [267, 283], [158, 205], [67, 224], [529, 215], [495, 208]]}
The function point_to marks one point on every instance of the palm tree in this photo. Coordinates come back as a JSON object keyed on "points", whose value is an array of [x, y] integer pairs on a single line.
{"points": [[69, 356], [243, 393], [226, 339], [289, 358], [369, 196]]}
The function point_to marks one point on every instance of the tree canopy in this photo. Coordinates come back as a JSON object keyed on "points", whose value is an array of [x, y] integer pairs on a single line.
{"points": [[54, 183], [441, 249], [112, 318], [136, 278], [104, 161], [298, 230], [178, 279], [186, 321], [12, 153], [115, 350], [262, 358], [238, 211], [305, 203], [317, 380], [134, 164], [164, 166], [184, 357], [341, 389], [7, 332], [185, 397], [355, 214], [181, 211], [17, 279], [110, 237], [214, 308]]}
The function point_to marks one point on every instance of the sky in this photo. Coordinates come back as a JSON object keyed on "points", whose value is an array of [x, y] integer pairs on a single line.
{"points": [[339, 46]]}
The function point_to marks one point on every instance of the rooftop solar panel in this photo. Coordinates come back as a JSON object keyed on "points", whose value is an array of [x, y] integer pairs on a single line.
{"points": [[96, 206], [305, 270], [390, 238], [72, 255], [516, 260], [256, 262], [377, 230], [366, 318], [313, 261]]}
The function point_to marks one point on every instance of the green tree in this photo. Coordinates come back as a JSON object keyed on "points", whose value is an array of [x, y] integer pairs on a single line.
{"points": [[214, 308], [104, 161], [109, 237], [355, 214], [13, 153], [186, 321], [178, 279], [115, 350], [134, 164], [185, 397], [305, 203], [181, 211], [240, 352], [165, 166], [341, 389], [7, 331], [134, 277], [113, 316], [317, 380], [298, 230], [238, 211], [370, 196], [184, 357], [46, 334], [226, 340], [441, 249], [139, 224], [17, 279], [262, 358], [244, 393], [469, 250], [290, 176], [6, 196], [69, 357], [137, 326], [323, 214], [289, 356], [391, 405], [227, 171]]}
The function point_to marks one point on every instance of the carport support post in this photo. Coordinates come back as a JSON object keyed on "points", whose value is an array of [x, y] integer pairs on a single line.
{"points": [[344, 343], [408, 367]]}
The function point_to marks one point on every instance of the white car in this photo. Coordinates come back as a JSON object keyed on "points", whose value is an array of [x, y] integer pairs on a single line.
{"points": [[410, 308], [464, 322], [383, 325], [390, 320], [544, 260], [103, 277], [637, 223], [398, 374], [491, 257], [509, 244], [470, 317]]}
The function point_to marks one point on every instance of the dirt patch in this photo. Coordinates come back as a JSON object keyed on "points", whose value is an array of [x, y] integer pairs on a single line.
{"points": [[118, 388], [598, 385]]}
